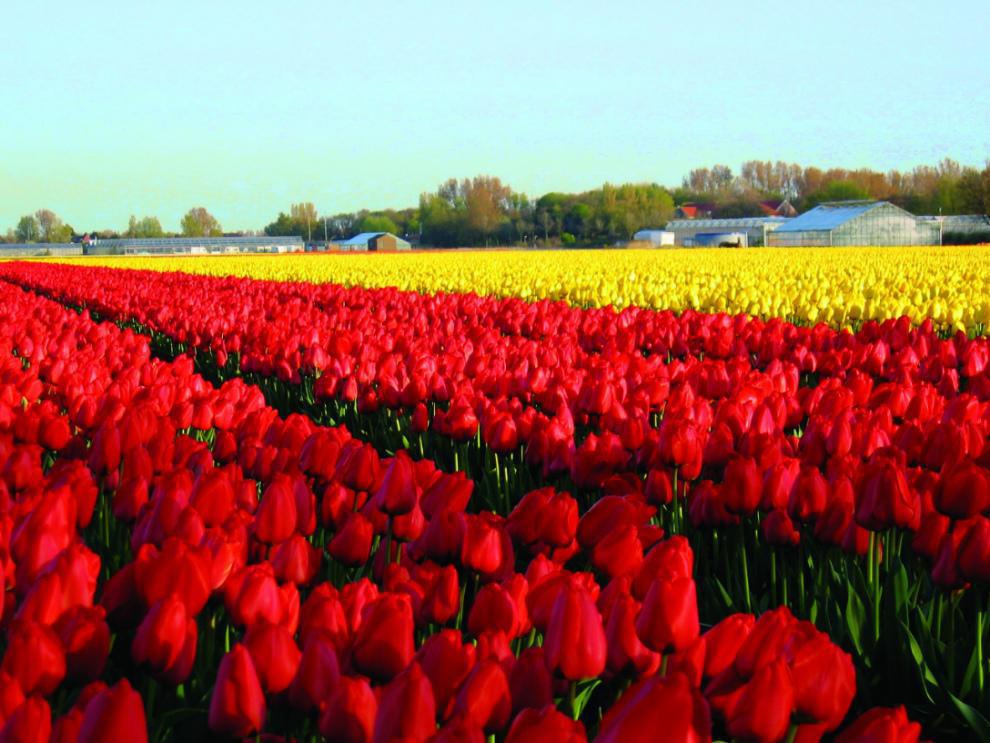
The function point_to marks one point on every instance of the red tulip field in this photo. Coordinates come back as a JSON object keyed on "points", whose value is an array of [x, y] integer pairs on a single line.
{"points": [[248, 509]]}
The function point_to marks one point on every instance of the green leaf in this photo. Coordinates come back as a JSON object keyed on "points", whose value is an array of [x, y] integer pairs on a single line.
{"points": [[970, 673], [927, 677], [976, 721], [855, 619], [723, 594]]}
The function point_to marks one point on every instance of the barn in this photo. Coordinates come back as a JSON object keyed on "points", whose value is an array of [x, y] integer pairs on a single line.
{"points": [[380, 242]]}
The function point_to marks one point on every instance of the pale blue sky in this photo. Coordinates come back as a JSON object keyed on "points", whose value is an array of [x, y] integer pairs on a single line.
{"points": [[114, 107]]}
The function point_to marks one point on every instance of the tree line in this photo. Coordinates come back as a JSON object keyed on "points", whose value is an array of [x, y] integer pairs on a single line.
{"points": [[45, 226], [485, 211]]}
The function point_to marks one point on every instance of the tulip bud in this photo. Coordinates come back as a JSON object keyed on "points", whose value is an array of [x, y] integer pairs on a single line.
{"points": [[114, 714], [237, 707]]}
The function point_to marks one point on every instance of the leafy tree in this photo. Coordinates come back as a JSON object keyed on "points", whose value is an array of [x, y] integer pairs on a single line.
{"points": [[144, 227], [486, 200], [61, 233], [28, 230], [200, 223], [377, 223], [969, 192], [739, 208], [48, 224], [283, 225], [838, 191]]}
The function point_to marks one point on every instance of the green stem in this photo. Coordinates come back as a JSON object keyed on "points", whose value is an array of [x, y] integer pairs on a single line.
{"points": [[950, 643], [876, 587], [802, 598], [980, 613], [773, 577], [388, 540], [869, 561], [572, 695], [745, 570], [791, 733]]}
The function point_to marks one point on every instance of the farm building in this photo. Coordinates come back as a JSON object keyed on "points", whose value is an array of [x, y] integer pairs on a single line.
{"points": [[962, 229], [742, 232], [855, 223], [656, 237], [695, 210], [28, 250], [778, 208], [382, 242], [192, 245]]}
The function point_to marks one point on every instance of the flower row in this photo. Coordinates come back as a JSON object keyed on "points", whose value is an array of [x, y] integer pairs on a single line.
{"points": [[248, 565]]}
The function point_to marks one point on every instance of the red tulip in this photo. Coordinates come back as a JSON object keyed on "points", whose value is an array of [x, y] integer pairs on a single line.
{"points": [[441, 600], [296, 561], [824, 681], [383, 644], [778, 529], [669, 617], [530, 682], [487, 548], [176, 568], [722, 642], [575, 645], [352, 544], [213, 496], [114, 714], [160, 640], [973, 553], [809, 495], [397, 494], [318, 672], [34, 657], [274, 653], [237, 707], [276, 517], [881, 725], [446, 661], [886, 499], [742, 486], [762, 712], [406, 710], [459, 730], [349, 716], [85, 639], [545, 724], [252, 595], [11, 696], [484, 699], [30, 722], [625, 650], [658, 703], [964, 491]]}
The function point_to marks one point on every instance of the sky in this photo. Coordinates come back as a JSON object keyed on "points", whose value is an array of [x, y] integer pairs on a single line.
{"points": [[110, 108]]}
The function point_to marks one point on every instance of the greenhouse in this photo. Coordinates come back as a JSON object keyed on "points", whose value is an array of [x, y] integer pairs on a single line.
{"points": [[705, 232], [855, 223]]}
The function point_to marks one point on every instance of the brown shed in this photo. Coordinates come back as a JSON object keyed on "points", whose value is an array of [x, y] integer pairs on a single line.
{"points": [[386, 242]]}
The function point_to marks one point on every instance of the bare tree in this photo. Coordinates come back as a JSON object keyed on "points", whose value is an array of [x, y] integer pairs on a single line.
{"points": [[304, 213]]}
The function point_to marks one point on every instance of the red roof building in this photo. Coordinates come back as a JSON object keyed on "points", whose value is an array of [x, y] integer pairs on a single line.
{"points": [[695, 210], [778, 208]]}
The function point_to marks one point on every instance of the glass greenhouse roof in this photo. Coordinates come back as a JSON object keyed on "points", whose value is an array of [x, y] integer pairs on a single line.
{"points": [[828, 216], [726, 223]]}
